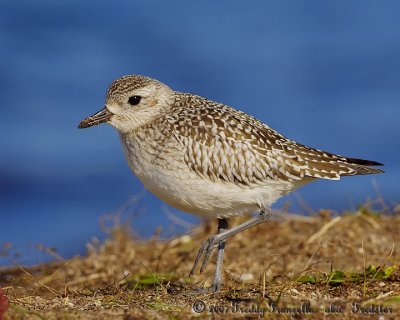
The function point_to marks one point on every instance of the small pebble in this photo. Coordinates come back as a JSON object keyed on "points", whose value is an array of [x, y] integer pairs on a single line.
{"points": [[246, 277]]}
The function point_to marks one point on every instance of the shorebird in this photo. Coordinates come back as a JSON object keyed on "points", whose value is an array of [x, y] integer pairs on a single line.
{"points": [[209, 159]]}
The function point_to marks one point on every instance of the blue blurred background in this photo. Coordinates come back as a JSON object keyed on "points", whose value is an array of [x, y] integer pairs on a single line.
{"points": [[325, 73]]}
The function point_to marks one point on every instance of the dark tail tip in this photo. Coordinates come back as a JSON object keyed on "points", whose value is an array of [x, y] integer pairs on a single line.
{"points": [[364, 162]]}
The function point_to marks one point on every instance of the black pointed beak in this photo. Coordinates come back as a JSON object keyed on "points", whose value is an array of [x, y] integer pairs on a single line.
{"points": [[103, 115]]}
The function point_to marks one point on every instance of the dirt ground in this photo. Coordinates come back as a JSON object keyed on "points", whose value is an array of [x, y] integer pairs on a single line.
{"points": [[323, 266]]}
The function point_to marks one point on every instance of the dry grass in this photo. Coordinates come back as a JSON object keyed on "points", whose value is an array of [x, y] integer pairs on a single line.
{"points": [[322, 260]]}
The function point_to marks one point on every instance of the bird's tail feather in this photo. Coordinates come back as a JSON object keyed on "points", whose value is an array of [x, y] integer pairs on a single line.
{"points": [[362, 167]]}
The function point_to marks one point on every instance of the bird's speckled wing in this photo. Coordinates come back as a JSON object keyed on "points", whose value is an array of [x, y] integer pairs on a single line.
{"points": [[222, 143]]}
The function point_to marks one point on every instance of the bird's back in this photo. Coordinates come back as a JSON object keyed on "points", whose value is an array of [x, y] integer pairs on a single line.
{"points": [[222, 143]]}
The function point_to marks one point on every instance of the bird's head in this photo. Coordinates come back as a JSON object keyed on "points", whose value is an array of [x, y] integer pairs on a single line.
{"points": [[131, 102]]}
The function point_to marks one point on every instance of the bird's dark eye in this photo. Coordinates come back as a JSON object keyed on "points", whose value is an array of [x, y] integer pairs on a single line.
{"points": [[134, 100]]}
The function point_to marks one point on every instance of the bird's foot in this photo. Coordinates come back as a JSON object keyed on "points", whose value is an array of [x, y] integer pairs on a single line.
{"points": [[205, 250]]}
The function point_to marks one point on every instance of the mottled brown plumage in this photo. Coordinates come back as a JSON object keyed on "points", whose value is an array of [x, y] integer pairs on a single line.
{"points": [[222, 143]]}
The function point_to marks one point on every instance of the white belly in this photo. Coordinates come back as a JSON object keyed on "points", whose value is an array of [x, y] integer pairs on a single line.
{"points": [[187, 192]]}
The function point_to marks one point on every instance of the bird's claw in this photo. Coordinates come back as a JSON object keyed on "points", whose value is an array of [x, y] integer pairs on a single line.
{"points": [[206, 249]]}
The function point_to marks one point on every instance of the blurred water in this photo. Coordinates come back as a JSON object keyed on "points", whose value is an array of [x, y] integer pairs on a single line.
{"points": [[326, 74]]}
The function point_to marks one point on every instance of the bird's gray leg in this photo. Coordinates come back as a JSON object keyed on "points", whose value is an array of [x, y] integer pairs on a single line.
{"points": [[209, 245], [216, 286], [222, 226]]}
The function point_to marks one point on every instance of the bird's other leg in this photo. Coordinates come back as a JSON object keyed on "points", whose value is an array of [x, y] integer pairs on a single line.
{"points": [[209, 245], [216, 286], [222, 226]]}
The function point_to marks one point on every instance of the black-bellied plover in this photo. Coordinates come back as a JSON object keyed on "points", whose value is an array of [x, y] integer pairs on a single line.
{"points": [[209, 159]]}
